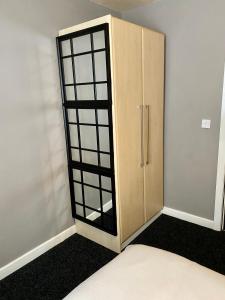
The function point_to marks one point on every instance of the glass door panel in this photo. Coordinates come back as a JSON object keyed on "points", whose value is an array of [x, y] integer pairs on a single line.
{"points": [[85, 68]]}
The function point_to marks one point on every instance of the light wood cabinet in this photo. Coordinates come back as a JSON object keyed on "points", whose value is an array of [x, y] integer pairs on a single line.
{"points": [[113, 72]]}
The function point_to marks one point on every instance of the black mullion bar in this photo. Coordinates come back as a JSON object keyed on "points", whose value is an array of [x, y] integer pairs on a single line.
{"points": [[66, 126], [88, 124], [92, 169], [102, 104], [97, 129], [93, 186], [78, 126], [84, 53], [86, 83], [90, 150]]}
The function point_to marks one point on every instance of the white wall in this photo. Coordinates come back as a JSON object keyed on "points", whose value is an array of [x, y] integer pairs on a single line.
{"points": [[195, 56], [34, 194]]}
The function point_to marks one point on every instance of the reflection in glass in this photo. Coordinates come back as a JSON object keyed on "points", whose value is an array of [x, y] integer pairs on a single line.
{"points": [[91, 178], [85, 92], [99, 40], [73, 136], [82, 44], [104, 139], [105, 160], [83, 66], [89, 157], [79, 210], [92, 197], [76, 175], [100, 66], [66, 49], [88, 137], [68, 71], [103, 117], [78, 192], [87, 116], [102, 92], [70, 95], [72, 116], [106, 183], [75, 155]]}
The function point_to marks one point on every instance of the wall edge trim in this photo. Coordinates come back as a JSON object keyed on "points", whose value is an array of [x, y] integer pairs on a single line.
{"points": [[36, 252], [188, 217]]}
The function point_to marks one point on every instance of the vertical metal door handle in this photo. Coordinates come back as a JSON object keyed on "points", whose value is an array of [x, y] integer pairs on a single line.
{"points": [[142, 136], [148, 133]]}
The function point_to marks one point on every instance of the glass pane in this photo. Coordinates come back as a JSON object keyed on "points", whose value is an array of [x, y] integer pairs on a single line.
{"points": [[93, 215], [73, 136], [102, 92], [82, 44], [87, 116], [91, 178], [89, 157], [105, 160], [72, 116], [68, 70], [79, 210], [103, 117], [83, 68], [92, 197], [75, 154], [70, 95], [88, 137], [85, 92], [106, 183], [104, 139], [78, 192], [99, 39], [76, 175], [107, 200], [66, 49], [100, 66]]}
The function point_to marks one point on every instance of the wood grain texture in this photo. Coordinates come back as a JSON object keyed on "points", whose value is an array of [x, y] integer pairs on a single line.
{"points": [[153, 95], [127, 86]]}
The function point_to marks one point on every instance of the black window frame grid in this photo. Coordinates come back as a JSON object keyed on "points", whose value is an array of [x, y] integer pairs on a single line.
{"points": [[95, 105]]}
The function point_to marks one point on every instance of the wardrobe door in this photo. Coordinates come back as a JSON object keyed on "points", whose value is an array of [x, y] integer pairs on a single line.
{"points": [[153, 94], [127, 84], [84, 63]]}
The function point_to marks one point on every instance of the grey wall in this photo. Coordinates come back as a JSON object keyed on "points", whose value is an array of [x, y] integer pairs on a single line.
{"points": [[34, 195], [195, 56]]}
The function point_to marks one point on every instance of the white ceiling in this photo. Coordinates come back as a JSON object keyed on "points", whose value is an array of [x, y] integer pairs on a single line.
{"points": [[121, 5]]}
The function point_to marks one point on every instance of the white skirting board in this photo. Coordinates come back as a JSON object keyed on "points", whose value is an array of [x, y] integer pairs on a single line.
{"points": [[188, 217], [37, 251]]}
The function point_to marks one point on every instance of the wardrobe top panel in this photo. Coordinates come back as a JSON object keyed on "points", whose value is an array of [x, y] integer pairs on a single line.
{"points": [[95, 22]]}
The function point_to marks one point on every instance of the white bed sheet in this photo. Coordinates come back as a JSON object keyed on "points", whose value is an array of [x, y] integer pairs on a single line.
{"points": [[147, 273]]}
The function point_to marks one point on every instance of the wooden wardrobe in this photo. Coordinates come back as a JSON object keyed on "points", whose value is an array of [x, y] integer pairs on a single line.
{"points": [[112, 81]]}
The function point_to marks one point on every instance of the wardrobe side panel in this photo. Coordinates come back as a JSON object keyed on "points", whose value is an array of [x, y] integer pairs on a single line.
{"points": [[153, 95], [127, 85]]}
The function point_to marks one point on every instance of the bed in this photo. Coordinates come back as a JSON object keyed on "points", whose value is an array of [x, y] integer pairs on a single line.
{"points": [[143, 272]]}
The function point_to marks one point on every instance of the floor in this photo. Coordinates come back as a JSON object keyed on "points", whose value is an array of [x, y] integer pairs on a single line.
{"points": [[54, 274]]}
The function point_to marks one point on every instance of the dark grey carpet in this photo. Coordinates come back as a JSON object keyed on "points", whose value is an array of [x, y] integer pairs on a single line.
{"points": [[57, 272], [54, 274]]}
